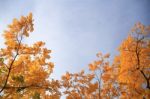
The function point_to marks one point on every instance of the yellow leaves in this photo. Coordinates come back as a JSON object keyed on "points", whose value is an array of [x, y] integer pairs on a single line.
{"points": [[15, 27], [140, 29], [128, 44], [99, 62], [28, 21], [106, 55], [99, 54], [106, 77], [10, 39], [9, 35], [29, 64], [147, 30], [46, 53], [39, 44], [17, 30], [78, 83], [15, 21], [92, 88], [51, 64], [32, 67], [67, 76], [45, 50], [22, 20], [107, 68], [90, 77], [116, 59], [29, 17], [147, 93], [92, 67], [134, 58], [1, 61]]}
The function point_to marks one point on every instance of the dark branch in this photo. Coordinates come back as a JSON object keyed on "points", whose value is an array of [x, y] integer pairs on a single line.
{"points": [[10, 67]]}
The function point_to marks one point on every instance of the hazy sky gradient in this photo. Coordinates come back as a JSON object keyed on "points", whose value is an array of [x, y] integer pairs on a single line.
{"points": [[75, 30]]}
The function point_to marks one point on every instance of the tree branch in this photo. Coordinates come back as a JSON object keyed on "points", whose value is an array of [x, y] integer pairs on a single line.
{"points": [[10, 67], [138, 63]]}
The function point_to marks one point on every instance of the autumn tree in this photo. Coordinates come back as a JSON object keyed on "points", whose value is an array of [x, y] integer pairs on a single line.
{"points": [[134, 59], [105, 76], [25, 69], [99, 82], [127, 76], [79, 85]]}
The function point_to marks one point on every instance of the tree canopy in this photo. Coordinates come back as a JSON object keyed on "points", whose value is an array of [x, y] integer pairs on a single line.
{"points": [[25, 70]]}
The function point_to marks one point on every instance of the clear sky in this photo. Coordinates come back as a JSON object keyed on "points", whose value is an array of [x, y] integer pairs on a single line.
{"points": [[75, 30]]}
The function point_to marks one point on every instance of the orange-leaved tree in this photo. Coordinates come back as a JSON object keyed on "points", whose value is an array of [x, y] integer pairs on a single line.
{"points": [[134, 60], [25, 69], [127, 77], [79, 85], [99, 82], [105, 76]]}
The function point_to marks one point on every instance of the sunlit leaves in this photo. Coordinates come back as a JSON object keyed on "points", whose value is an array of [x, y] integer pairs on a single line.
{"points": [[36, 95], [18, 78], [128, 76], [98, 83], [25, 68], [92, 67], [134, 60], [78, 85]]}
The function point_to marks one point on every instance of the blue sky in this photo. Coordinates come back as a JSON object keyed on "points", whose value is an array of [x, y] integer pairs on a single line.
{"points": [[75, 30]]}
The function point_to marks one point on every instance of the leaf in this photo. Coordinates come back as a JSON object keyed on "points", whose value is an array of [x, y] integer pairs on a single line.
{"points": [[36, 95], [2, 60], [19, 78], [20, 89]]}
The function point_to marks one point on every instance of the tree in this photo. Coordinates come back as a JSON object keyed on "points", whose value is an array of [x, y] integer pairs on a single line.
{"points": [[127, 77], [134, 70], [25, 68], [98, 83], [105, 76], [79, 85]]}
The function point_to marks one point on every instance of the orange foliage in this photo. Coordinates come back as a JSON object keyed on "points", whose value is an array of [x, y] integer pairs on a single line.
{"points": [[25, 69]]}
